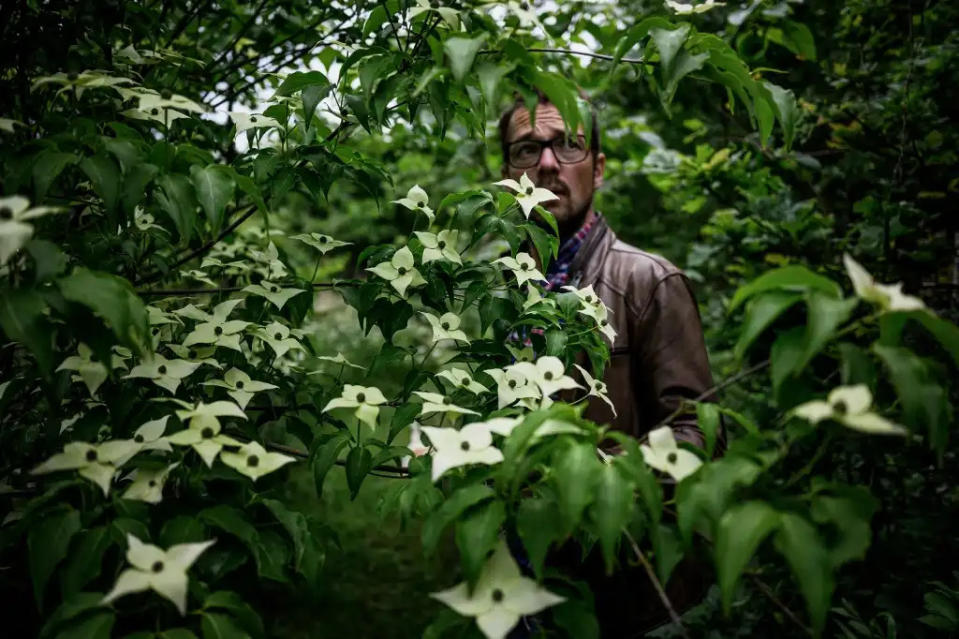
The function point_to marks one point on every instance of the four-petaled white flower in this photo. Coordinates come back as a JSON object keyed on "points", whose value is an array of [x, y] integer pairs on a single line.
{"points": [[278, 296], [215, 328], [472, 444], [595, 308], [239, 386], [244, 121], [150, 100], [165, 373], [501, 597], [145, 221], [14, 230], [278, 337], [850, 406], [399, 271], [524, 11], [89, 368], [889, 297], [513, 386], [528, 195], [203, 431], [365, 399], [96, 462], [163, 571], [445, 327], [437, 403], [461, 379], [198, 354], [685, 9], [149, 436], [339, 359], [523, 267], [439, 246], [415, 445], [596, 387], [254, 461], [197, 275], [534, 298], [548, 373], [664, 455], [417, 200], [148, 484], [322, 243]]}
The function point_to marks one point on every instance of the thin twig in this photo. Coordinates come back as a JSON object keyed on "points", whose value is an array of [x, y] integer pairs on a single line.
{"points": [[766, 590], [658, 586]]}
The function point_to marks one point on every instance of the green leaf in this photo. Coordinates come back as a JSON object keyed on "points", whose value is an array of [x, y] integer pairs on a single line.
{"points": [[667, 550], [47, 545], [219, 626], [611, 510], [476, 535], [490, 76], [675, 61], [577, 619], [86, 560], [799, 39], [135, 186], [856, 367], [49, 259], [177, 199], [798, 541], [70, 609], [707, 417], [48, 165], [214, 189], [23, 320], [450, 510], [787, 111], [308, 558], [244, 613], [785, 355], [104, 174], [96, 626], [562, 93], [825, 316], [539, 525], [300, 80], [460, 53], [547, 245], [789, 278], [556, 340], [762, 311], [113, 299], [359, 462], [635, 34], [182, 529], [848, 511], [576, 474], [943, 330], [741, 529], [925, 404], [233, 521]]}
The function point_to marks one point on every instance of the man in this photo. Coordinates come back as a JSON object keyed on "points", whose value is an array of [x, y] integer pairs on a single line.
{"points": [[659, 355]]}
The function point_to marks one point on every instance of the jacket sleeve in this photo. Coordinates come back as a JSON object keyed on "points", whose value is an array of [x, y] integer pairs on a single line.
{"points": [[671, 358]]}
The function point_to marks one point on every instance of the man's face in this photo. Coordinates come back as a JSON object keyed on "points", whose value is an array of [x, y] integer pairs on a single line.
{"points": [[573, 184]]}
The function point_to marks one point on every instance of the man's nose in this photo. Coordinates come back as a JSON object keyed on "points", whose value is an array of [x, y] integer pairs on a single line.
{"points": [[547, 160]]}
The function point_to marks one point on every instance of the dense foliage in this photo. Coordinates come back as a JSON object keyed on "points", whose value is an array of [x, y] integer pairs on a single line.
{"points": [[251, 251]]}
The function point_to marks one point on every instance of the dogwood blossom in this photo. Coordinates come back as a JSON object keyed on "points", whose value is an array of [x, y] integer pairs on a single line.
{"points": [[214, 328], [165, 373], [338, 359], [850, 406], [148, 484], [239, 386], [254, 461], [245, 121], [163, 571], [472, 444], [445, 327], [277, 336], [203, 430], [14, 230], [399, 271], [270, 265], [145, 221], [664, 455], [199, 276], [95, 462], [595, 308], [528, 194], [196, 353], [365, 399], [149, 436], [596, 387], [89, 368], [437, 403], [439, 246], [685, 9], [512, 386], [417, 200], [278, 296], [461, 379], [415, 445], [548, 373], [889, 297], [501, 597], [322, 243], [523, 267], [449, 15]]}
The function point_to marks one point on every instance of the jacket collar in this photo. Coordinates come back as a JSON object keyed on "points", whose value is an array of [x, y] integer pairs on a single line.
{"points": [[588, 263]]}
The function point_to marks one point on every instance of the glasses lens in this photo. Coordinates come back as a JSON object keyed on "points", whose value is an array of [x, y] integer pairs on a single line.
{"points": [[525, 154], [570, 150]]}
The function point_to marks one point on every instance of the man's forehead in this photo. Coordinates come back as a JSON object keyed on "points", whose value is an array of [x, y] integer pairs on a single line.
{"points": [[549, 122]]}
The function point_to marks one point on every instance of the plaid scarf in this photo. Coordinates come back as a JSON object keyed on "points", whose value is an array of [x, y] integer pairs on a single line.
{"points": [[558, 273]]}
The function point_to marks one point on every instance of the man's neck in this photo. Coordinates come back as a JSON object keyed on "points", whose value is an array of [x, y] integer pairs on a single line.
{"points": [[569, 231]]}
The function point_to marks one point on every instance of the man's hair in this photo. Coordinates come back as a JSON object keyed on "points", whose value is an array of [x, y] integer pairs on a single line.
{"points": [[507, 116]]}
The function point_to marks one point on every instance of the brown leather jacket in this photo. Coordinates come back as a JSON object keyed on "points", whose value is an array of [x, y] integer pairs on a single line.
{"points": [[659, 355]]}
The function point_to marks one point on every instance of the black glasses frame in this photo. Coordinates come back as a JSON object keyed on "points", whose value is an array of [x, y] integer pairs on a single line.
{"points": [[543, 144]]}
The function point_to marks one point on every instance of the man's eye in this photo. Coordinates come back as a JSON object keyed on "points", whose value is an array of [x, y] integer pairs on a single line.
{"points": [[573, 144], [525, 150]]}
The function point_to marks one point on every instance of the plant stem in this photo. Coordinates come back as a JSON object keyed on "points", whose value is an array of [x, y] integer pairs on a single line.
{"points": [[658, 586]]}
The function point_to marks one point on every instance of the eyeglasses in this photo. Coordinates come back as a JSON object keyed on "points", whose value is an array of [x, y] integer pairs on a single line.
{"points": [[525, 154]]}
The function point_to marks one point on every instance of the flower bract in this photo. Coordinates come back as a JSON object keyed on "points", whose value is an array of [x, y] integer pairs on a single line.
{"points": [[365, 399], [399, 271], [445, 327], [850, 406], [441, 246], [254, 461], [523, 268], [889, 297], [528, 195], [472, 444], [664, 455], [417, 200]]}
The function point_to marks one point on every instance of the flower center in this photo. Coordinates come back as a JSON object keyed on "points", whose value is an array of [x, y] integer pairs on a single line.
{"points": [[252, 461], [497, 595], [206, 433], [157, 566], [154, 111], [239, 385], [589, 299], [155, 330], [840, 407], [6, 214], [253, 119], [273, 289], [548, 375], [512, 383], [421, 205], [192, 354], [672, 457], [361, 397], [72, 76], [524, 267], [91, 455], [323, 239], [165, 94], [162, 369], [604, 322], [401, 270], [442, 244], [152, 483], [277, 336], [218, 330], [138, 439], [465, 446], [446, 326], [529, 190]]}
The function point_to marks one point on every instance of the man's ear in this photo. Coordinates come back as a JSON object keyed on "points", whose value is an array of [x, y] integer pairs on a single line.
{"points": [[599, 167]]}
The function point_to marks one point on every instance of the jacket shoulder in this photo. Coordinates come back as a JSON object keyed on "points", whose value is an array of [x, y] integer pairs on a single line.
{"points": [[636, 274]]}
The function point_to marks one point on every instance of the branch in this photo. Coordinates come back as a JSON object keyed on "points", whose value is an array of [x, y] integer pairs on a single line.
{"points": [[239, 34], [186, 20], [766, 590], [658, 586]]}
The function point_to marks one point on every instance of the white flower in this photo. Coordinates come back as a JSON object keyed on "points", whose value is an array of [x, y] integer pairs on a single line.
{"points": [[417, 200], [415, 445], [450, 16], [849, 405], [244, 121], [277, 296], [439, 246], [502, 425], [596, 387], [528, 194], [889, 297], [199, 354], [461, 379], [322, 243], [91, 370], [338, 359], [684, 9], [239, 386], [215, 328], [502, 595], [436, 403], [534, 297], [163, 571], [6, 124], [473, 444], [445, 327], [513, 386], [197, 275], [595, 308], [203, 432], [150, 100], [278, 337], [523, 267], [14, 230], [94, 462], [547, 373], [159, 115], [664, 455], [399, 271], [254, 461], [525, 12], [148, 484], [149, 436], [145, 221], [365, 399], [165, 373]]}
